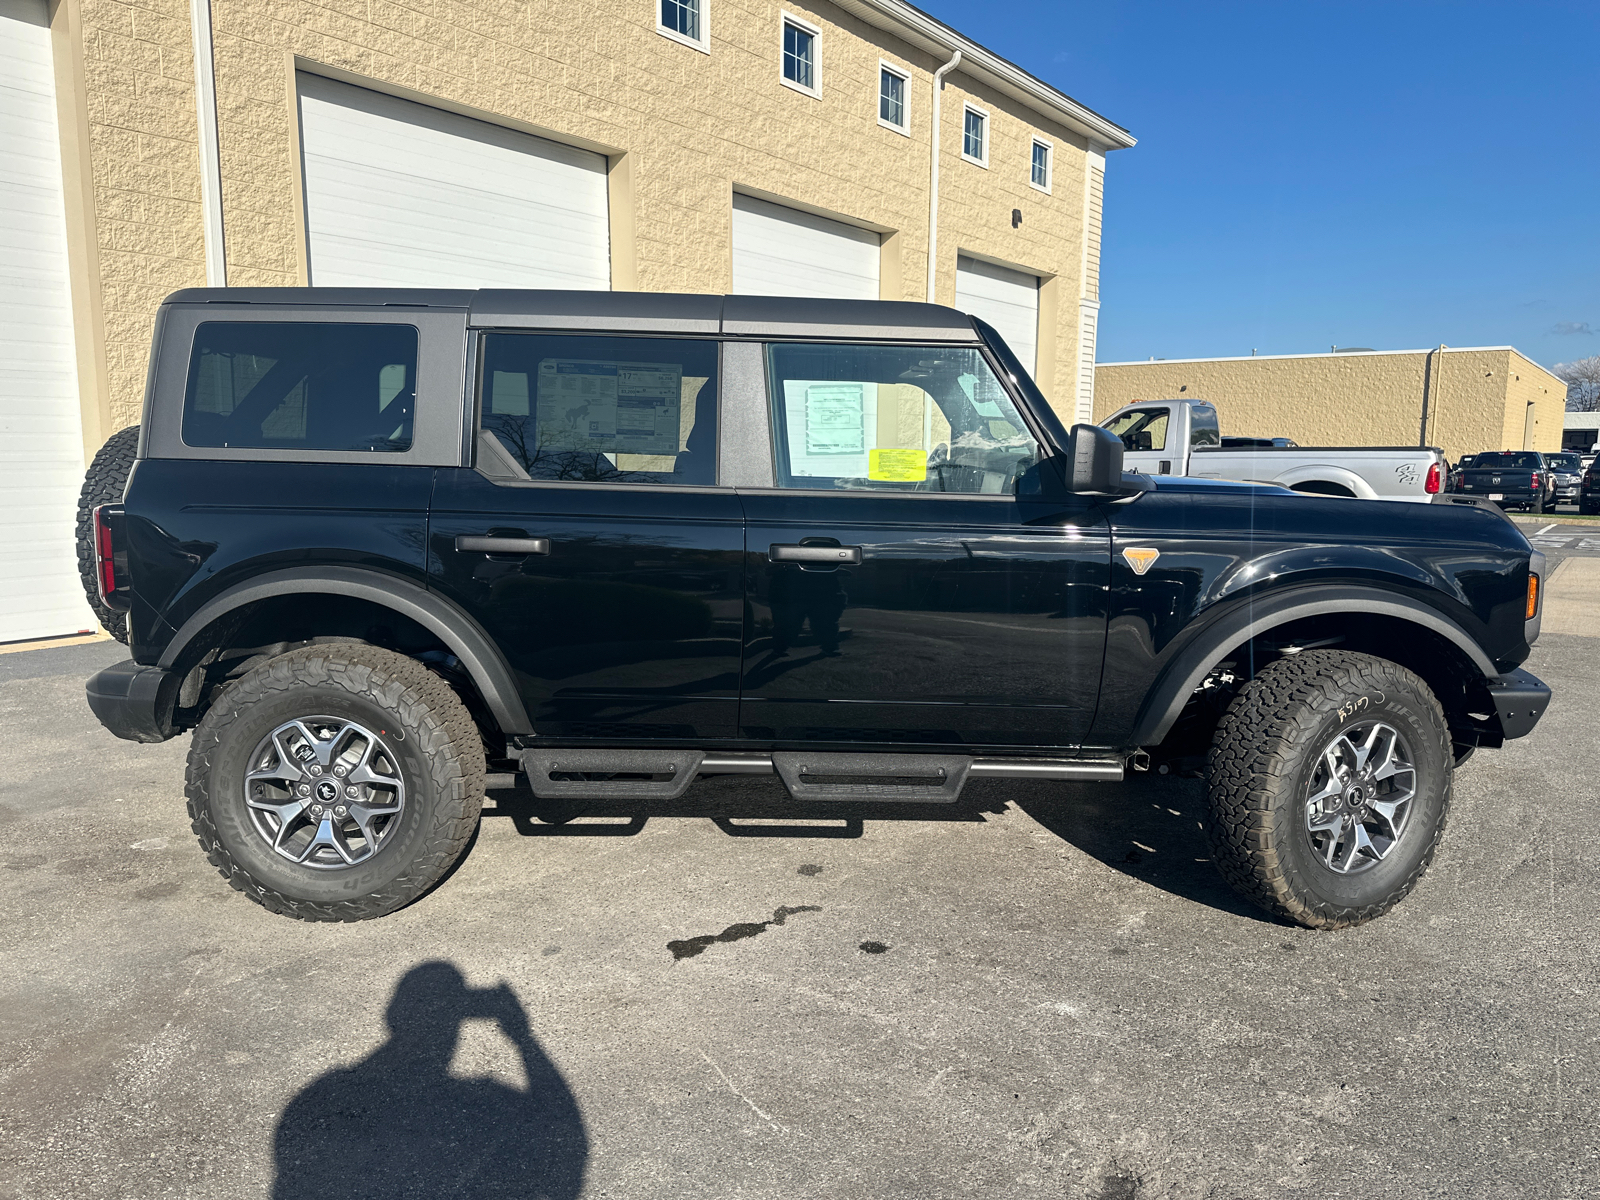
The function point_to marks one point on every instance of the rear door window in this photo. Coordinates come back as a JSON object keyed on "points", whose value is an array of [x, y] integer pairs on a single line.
{"points": [[301, 386], [579, 409]]}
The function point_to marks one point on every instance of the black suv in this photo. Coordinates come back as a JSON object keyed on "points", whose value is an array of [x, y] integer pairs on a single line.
{"points": [[377, 543]]}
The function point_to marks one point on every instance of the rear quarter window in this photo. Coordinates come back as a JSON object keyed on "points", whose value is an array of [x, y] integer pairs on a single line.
{"points": [[301, 386]]}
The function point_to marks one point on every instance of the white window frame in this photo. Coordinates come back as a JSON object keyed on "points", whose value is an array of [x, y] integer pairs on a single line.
{"points": [[815, 90], [1049, 164], [905, 96], [969, 107], [704, 44]]}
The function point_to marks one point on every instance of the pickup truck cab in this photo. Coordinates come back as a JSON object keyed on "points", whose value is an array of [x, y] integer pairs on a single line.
{"points": [[375, 544], [1183, 437], [1511, 478]]}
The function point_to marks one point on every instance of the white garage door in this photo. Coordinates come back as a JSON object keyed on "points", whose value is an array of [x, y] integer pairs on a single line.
{"points": [[1007, 299], [780, 251], [403, 195], [41, 435]]}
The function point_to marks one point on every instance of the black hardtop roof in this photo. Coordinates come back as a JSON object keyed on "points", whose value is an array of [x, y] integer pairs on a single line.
{"points": [[630, 312]]}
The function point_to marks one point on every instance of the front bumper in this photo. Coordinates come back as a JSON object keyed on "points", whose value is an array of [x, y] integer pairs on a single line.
{"points": [[1519, 701], [135, 702]]}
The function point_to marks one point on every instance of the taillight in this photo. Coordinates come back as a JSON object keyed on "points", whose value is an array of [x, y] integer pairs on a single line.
{"points": [[1432, 485], [1536, 480], [1533, 596], [104, 564]]}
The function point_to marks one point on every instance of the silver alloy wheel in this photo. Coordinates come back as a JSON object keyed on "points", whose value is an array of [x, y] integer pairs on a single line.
{"points": [[324, 792], [1360, 797]]}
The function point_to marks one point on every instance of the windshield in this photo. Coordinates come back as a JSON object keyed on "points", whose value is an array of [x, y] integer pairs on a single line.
{"points": [[1508, 459], [1566, 462], [1141, 428]]}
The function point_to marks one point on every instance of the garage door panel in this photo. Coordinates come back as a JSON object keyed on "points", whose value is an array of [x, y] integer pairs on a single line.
{"points": [[1005, 298], [400, 194], [781, 251], [41, 435]]}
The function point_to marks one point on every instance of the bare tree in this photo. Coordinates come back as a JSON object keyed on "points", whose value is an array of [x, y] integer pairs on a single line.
{"points": [[1582, 377]]}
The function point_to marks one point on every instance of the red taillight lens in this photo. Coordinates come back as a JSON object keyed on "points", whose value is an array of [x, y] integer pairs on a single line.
{"points": [[105, 568], [1432, 485], [1537, 482]]}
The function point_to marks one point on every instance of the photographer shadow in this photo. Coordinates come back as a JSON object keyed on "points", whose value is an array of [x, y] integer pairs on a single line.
{"points": [[398, 1124]]}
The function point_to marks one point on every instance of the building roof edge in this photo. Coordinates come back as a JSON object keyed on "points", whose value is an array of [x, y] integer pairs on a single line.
{"points": [[896, 16], [1146, 362]]}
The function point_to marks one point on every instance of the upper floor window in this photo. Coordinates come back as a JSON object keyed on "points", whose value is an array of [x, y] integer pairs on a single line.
{"points": [[800, 66], [684, 21], [1039, 171], [297, 385], [593, 409], [975, 136], [892, 98]]}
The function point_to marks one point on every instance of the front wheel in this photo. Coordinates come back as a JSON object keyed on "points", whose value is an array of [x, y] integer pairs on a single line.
{"points": [[336, 783], [1330, 780]]}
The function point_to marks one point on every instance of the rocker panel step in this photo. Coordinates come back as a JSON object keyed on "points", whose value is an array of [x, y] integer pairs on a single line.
{"points": [[915, 778], [679, 766]]}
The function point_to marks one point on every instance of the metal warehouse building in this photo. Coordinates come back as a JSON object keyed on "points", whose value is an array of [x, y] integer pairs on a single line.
{"points": [[676, 145], [1461, 399]]}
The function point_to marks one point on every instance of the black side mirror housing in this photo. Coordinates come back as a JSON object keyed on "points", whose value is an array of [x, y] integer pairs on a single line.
{"points": [[1094, 462]]}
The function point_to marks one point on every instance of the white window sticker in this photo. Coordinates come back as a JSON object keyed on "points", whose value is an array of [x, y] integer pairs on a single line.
{"points": [[609, 407], [836, 418]]}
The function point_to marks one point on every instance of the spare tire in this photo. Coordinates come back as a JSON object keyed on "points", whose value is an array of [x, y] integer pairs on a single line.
{"points": [[104, 483]]}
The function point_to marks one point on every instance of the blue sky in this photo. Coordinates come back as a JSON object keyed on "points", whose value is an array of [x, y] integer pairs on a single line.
{"points": [[1390, 175]]}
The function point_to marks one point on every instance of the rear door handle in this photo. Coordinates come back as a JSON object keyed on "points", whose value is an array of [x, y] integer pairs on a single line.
{"points": [[837, 556], [502, 545]]}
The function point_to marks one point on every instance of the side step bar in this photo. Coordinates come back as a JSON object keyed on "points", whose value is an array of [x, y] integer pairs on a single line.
{"points": [[864, 777]]}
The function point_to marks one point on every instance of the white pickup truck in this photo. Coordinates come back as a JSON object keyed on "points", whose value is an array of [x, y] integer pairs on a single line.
{"points": [[1182, 437]]}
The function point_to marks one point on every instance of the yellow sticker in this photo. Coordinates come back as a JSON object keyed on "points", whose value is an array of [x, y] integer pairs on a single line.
{"points": [[898, 466]]}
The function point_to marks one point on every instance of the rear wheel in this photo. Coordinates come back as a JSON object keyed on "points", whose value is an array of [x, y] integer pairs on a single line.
{"points": [[104, 483], [1330, 782], [1537, 506], [336, 783]]}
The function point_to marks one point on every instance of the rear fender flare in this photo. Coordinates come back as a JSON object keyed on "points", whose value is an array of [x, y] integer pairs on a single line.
{"points": [[1184, 673], [479, 656]]}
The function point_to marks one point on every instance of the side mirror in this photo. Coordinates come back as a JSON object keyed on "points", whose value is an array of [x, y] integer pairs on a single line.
{"points": [[1094, 461]]}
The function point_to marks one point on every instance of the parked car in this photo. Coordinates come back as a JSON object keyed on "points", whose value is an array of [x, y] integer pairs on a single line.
{"points": [[1589, 488], [1453, 473], [378, 542], [1511, 479], [1566, 469], [1183, 437]]}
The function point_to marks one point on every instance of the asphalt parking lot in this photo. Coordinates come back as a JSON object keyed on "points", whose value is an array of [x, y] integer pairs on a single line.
{"points": [[1048, 993]]}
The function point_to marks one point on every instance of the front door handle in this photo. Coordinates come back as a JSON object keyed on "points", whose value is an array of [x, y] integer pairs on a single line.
{"points": [[502, 545], [833, 556]]}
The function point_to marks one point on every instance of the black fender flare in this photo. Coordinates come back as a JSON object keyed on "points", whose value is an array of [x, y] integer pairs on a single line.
{"points": [[479, 656], [1183, 674]]}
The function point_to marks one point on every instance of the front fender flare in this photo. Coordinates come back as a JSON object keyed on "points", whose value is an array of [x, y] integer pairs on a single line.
{"points": [[1183, 674], [479, 656]]}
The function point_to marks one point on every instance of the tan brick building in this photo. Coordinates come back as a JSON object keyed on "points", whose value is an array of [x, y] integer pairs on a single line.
{"points": [[678, 145], [1476, 398]]}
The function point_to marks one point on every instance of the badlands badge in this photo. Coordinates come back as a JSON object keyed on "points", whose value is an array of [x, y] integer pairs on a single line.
{"points": [[1140, 558]]}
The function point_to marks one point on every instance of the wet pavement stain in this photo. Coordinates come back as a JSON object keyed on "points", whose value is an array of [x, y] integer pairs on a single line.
{"points": [[689, 947], [809, 869], [874, 948]]}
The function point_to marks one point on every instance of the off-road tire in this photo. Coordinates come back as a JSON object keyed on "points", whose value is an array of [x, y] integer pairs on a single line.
{"points": [[104, 483], [439, 755], [1262, 760]]}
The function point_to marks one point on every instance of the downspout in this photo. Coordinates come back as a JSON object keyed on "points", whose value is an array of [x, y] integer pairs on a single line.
{"points": [[205, 99], [1429, 387], [933, 179]]}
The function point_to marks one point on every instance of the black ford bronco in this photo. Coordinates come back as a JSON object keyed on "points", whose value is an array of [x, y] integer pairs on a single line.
{"points": [[370, 545]]}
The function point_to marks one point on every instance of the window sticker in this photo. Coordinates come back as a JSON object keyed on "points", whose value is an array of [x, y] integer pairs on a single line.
{"points": [[609, 407], [898, 466], [836, 418]]}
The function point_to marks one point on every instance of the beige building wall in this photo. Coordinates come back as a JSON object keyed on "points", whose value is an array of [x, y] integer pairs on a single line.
{"points": [[683, 131], [1478, 398]]}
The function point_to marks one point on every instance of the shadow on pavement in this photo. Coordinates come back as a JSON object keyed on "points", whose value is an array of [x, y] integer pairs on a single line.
{"points": [[397, 1124], [1149, 827]]}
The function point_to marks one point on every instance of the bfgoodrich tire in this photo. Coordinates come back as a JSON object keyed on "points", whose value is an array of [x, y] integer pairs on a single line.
{"points": [[1330, 780], [336, 783], [104, 483]]}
